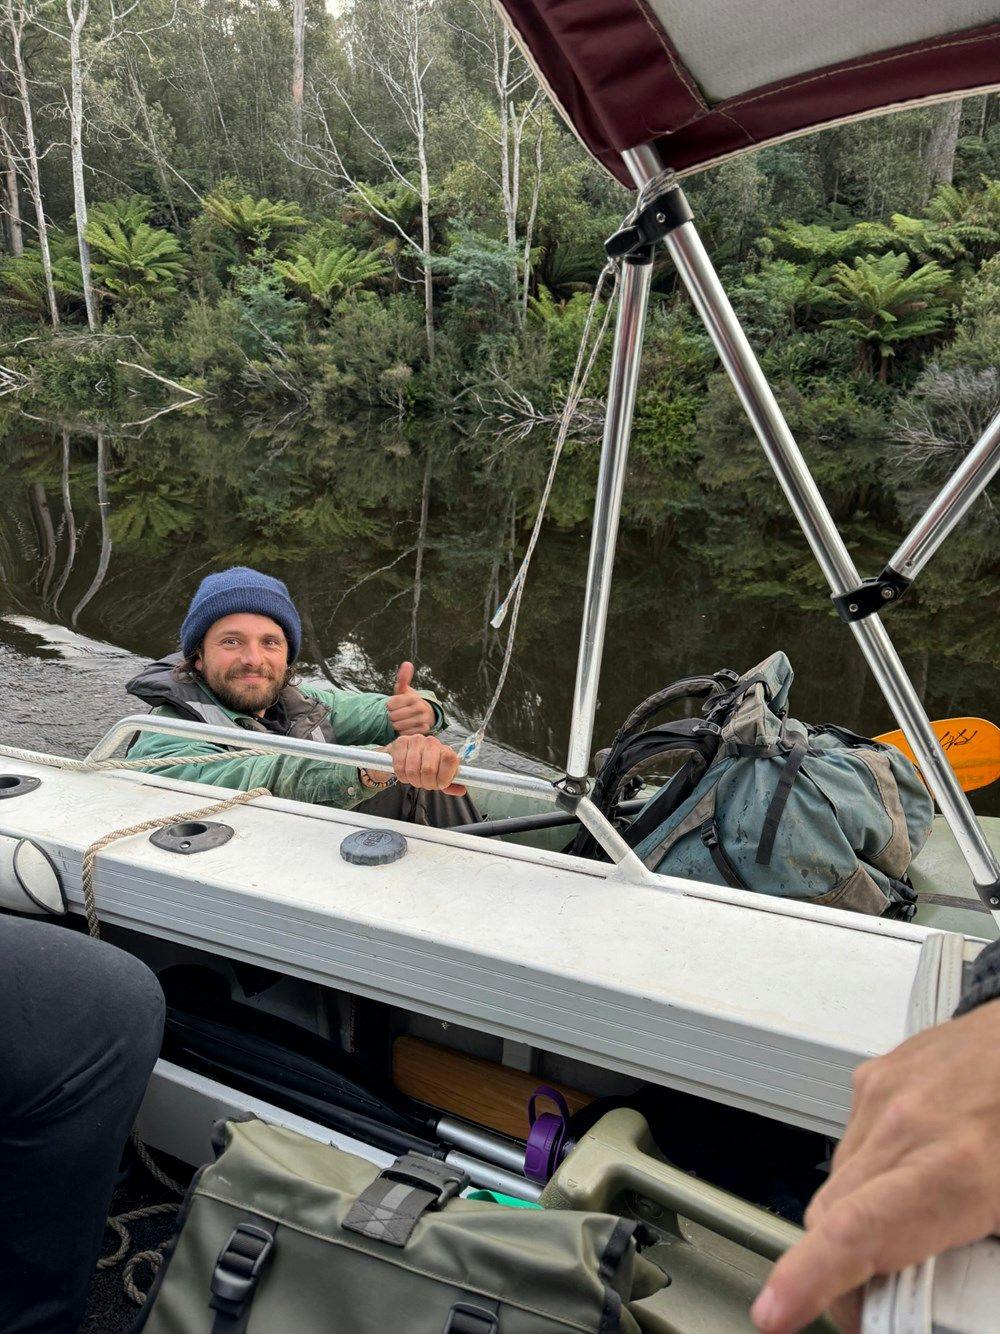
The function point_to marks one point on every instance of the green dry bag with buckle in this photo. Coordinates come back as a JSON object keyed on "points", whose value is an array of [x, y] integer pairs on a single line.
{"points": [[282, 1233]]}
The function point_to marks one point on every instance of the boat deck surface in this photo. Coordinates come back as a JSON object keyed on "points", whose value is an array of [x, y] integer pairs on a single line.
{"points": [[769, 1008]]}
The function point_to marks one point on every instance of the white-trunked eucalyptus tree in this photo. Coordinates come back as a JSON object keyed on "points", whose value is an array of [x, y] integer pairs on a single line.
{"points": [[393, 53], [518, 98], [17, 15], [82, 53]]}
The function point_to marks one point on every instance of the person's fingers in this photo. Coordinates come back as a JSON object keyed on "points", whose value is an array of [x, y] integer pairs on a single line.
{"points": [[895, 1113], [429, 763], [455, 790], [846, 1312], [407, 714], [899, 1218], [397, 705], [448, 768], [870, 1094], [404, 678], [402, 760]]}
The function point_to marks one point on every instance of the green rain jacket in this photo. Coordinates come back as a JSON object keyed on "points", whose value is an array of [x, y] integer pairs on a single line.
{"points": [[354, 719]]}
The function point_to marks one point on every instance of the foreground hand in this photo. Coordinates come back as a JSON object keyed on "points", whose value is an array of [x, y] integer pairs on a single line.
{"points": [[917, 1173], [424, 761], [409, 713]]}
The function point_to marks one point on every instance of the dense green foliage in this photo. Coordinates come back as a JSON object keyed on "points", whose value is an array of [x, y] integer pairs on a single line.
{"points": [[310, 273]]}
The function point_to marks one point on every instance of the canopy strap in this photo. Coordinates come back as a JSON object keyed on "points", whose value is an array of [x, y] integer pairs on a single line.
{"points": [[512, 601]]}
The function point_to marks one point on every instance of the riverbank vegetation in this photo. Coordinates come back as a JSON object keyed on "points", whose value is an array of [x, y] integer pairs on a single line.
{"points": [[267, 211]]}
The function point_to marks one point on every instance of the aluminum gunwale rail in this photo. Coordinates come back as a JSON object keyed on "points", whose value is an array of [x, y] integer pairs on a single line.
{"points": [[712, 304]]}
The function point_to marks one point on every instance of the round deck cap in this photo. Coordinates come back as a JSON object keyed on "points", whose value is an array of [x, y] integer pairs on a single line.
{"points": [[373, 847]]}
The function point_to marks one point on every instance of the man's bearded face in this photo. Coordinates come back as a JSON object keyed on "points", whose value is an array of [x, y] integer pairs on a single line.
{"points": [[244, 662]]}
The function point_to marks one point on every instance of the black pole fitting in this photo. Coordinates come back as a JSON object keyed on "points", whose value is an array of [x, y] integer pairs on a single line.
{"points": [[990, 895], [871, 596], [569, 792], [658, 219]]}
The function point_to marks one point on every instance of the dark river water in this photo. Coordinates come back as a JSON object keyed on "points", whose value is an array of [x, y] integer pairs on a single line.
{"points": [[394, 545]]}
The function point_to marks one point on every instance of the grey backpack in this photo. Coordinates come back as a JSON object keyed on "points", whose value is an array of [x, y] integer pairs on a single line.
{"points": [[282, 1233], [767, 803]]}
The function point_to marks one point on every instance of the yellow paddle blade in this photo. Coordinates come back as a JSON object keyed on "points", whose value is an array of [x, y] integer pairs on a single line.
{"points": [[972, 746]]}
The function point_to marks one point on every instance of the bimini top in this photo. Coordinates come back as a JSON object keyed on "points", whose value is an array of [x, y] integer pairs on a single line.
{"points": [[704, 80]]}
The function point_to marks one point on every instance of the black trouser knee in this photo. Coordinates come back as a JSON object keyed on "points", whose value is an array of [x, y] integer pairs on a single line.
{"points": [[80, 1030]]}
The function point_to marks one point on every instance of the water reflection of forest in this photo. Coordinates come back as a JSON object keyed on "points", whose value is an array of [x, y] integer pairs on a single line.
{"points": [[398, 543]]}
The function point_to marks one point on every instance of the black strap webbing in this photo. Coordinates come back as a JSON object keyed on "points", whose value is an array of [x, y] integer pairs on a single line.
{"points": [[388, 1209], [611, 1257], [237, 1272], [776, 806], [711, 839]]}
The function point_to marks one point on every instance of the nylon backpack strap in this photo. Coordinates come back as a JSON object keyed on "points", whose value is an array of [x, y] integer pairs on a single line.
{"points": [[779, 799], [237, 1273], [388, 1209], [712, 840]]}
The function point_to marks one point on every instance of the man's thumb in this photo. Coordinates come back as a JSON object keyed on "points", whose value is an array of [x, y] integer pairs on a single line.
{"points": [[404, 677]]}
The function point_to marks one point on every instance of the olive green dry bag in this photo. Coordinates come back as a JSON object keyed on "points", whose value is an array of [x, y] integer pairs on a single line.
{"points": [[282, 1233]]}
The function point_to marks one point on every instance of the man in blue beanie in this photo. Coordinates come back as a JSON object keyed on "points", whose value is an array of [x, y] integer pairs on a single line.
{"points": [[239, 642]]}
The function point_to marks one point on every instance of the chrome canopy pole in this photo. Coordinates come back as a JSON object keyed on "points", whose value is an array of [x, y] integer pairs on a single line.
{"points": [[950, 506], [631, 323], [712, 304]]}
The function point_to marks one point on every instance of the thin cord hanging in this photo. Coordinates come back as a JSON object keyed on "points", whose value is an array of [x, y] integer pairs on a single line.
{"points": [[512, 601]]}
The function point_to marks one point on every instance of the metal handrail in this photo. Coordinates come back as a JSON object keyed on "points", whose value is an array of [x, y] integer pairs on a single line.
{"points": [[188, 729], [491, 779]]}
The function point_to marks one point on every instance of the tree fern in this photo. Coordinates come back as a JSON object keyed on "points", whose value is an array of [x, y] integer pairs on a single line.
{"points": [[22, 282], [132, 262], [331, 274], [255, 223], [884, 305]]}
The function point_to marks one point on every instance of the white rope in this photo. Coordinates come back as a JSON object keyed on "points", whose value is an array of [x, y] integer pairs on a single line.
{"points": [[150, 762], [160, 822], [512, 601]]}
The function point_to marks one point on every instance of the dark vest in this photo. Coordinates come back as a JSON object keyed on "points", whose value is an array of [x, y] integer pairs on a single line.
{"points": [[301, 715]]}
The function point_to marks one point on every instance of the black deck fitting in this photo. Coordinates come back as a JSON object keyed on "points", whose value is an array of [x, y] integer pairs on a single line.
{"points": [[871, 596], [658, 219], [990, 895]]}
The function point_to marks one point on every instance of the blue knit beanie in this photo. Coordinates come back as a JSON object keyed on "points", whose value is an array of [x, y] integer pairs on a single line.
{"points": [[240, 590]]}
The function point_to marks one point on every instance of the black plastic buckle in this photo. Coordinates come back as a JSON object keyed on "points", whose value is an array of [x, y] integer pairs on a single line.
{"points": [[464, 1318], [706, 728], [239, 1267], [871, 596], [709, 834], [902, 902], [726, 676], [442, 1180], [658, 219]]}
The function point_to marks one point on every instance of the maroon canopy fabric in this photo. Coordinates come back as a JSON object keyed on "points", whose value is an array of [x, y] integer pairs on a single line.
{"points": [[615, 68]]}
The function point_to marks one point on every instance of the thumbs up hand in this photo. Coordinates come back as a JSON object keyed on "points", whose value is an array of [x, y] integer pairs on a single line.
{"points": [[409, 713]]}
